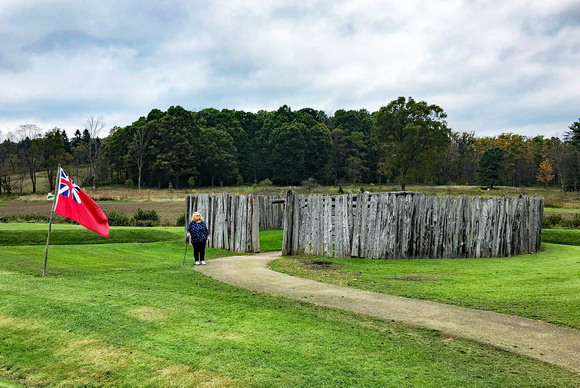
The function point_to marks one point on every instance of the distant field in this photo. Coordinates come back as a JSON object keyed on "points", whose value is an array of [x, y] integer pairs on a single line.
{"points": [[170, 204]]}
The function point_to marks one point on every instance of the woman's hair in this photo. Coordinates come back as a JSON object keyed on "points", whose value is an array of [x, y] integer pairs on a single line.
{"points": [[194, 216]]}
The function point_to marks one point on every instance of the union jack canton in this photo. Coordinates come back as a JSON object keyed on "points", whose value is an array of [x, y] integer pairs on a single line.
{"points": [[67, 186]]}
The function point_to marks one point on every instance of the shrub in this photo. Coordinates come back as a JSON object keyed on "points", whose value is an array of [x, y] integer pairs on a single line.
{"points": [[266, 182], [191, 182], [104, 199], [553, 203], [310, 184], [181, 220], [87, 181], [340, 190], [117, 218], [25, 218], [552, 220], [240, 181], [574, 222], [145, 218], [129, 183]]}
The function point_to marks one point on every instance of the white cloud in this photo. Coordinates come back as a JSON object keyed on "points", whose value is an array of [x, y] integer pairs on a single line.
{"points": [[494, 66]]}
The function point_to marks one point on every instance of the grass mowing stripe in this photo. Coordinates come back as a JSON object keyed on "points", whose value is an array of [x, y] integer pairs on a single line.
{"points": [[65, 234], [9, 384], [561, 236], [561, 210], [100, 362], [138, 298], [62, 234]]}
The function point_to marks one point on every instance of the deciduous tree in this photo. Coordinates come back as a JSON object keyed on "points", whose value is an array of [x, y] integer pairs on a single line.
{"points": [[409, 133], [54, 154], [94, 126], [545, 172], [139, 147], [31, 149]]}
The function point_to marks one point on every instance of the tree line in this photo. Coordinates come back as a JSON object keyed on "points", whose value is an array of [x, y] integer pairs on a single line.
{"points": [[405, 142]]}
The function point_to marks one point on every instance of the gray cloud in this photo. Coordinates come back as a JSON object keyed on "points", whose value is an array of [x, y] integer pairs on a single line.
{"points": [[494, 66]]}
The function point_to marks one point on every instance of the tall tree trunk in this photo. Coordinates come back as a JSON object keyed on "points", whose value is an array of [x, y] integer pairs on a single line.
{"points": [[33, 179]]}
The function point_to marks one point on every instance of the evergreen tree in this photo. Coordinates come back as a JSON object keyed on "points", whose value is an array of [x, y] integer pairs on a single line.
{"points": [[491, 166]]}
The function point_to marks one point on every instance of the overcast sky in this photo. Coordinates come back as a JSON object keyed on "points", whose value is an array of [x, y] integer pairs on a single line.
{"points": [[494, 66]]}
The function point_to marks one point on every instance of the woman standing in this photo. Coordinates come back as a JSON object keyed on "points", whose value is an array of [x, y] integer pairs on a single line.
{"points": [[198, 234]]}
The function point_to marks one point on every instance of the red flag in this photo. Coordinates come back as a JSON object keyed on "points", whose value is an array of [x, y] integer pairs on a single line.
{"points": [[74, 203]]}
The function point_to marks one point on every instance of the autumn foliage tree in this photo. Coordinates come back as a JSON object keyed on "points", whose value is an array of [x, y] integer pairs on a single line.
{"points": [[545, 172]]}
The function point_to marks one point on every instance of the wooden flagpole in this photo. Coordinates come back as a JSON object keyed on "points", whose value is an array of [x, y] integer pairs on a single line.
{"points": [[56, 189]]}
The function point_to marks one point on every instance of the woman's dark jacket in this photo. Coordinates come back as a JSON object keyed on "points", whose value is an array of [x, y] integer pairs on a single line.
{"points": [[198, 231]]}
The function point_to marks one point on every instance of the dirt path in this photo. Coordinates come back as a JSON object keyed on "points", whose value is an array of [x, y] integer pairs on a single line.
{"points": [[534, 339]]}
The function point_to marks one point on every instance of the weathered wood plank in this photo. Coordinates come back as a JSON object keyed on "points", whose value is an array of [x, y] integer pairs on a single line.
{"points": [[288, 224], [317, 229], [328, 231], [339, 227], [296, 229], [350, 222], [356, 220], [256, 224]]}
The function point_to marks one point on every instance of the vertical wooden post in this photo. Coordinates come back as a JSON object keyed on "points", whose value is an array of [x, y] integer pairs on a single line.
{"points": [[257, 210], [296, 224], [326, 225], [288, 224]]}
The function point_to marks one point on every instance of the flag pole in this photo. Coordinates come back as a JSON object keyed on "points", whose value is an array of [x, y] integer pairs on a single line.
{"points": [[56, 189]]}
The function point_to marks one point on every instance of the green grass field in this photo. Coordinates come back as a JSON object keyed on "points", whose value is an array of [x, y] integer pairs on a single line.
{"points": [[560, 210], [126, 314]]}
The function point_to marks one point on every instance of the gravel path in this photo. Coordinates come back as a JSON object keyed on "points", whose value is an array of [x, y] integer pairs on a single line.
{"points": [[539, 340]]}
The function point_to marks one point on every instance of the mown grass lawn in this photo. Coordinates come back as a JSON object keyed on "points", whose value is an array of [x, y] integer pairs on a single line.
{"points": [[560, 210], [129, 314]]}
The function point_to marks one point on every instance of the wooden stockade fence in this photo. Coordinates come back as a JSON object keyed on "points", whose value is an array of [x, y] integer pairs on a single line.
{"points": [[271, 213], [234, 221], [410, 225]]}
